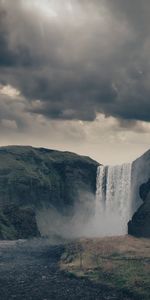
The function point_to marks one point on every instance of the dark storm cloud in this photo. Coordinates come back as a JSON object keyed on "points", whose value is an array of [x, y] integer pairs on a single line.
{"points": [[6, 57], [79, 58], [136, 12]]}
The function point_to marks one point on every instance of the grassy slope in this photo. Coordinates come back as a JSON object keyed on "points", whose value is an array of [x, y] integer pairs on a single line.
{"points": [[121, 262], [33, 178]]}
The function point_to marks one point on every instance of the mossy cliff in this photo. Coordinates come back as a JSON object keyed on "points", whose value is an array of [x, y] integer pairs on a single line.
{"points": [[32, 178]]}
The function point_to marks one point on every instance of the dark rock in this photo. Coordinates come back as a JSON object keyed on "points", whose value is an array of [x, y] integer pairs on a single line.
{"points": [[139, 226], [144, 190]]}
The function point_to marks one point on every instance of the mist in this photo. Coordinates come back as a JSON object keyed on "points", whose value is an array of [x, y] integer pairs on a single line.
{"points": [[83, 222]]}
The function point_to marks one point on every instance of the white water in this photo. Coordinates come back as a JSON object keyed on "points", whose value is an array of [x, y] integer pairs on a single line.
{"points": [[113, 199]]}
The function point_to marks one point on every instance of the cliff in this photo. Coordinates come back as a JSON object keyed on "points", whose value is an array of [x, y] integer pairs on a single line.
{"points": [[139, 226], [32, 179]]}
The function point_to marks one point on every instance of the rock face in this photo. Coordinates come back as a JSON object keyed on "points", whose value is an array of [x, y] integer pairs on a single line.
{"points": [[140, 224], [31, 179]]}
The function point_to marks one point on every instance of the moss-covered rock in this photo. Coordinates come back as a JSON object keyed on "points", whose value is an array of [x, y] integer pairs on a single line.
{"points": [[33, 178]]}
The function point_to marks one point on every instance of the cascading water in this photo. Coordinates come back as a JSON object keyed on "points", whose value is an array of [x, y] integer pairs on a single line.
{"points": [[113, 198]]}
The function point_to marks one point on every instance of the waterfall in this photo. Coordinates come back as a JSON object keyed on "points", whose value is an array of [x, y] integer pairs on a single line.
{"points": [[113, 198]]}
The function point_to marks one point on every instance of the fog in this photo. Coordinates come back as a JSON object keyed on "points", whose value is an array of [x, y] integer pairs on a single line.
{"points": [[83, 222]]}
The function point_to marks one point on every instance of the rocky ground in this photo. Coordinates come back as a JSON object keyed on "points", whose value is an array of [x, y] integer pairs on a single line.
{"points": [[30, 271]]}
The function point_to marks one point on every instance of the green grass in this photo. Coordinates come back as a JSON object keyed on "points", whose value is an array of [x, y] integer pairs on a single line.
{"points": [[126, 270]]}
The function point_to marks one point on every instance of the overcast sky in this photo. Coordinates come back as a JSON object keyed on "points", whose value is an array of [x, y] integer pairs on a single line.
{"points": [[75, 75]]}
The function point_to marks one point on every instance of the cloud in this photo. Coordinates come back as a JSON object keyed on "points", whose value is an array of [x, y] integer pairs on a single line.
{"points": [[13, 114], [75, 75], [9, 124], [9, 91], [78, 58]]}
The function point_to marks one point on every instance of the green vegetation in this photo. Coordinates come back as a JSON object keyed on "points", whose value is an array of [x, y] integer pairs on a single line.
{"points": [[17, 223], [32, 179], [121, 263], [7, 231]]}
